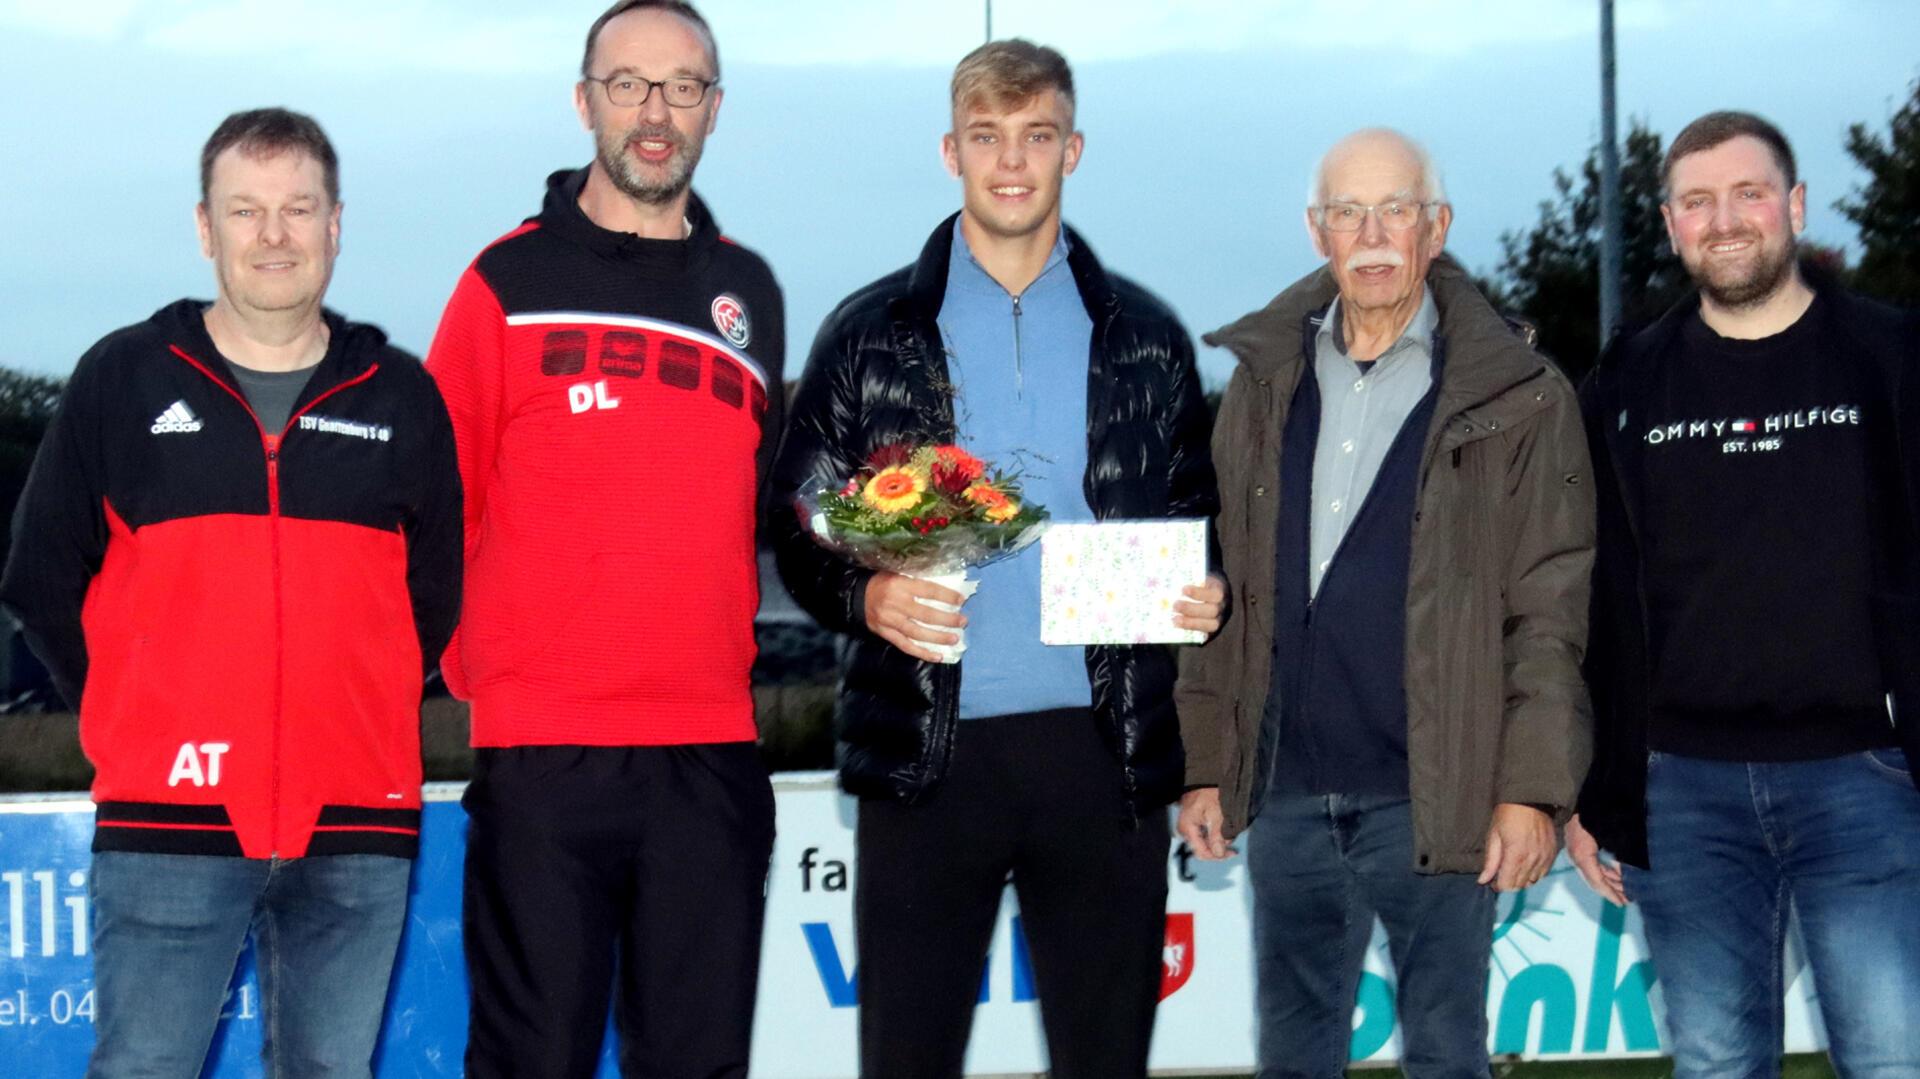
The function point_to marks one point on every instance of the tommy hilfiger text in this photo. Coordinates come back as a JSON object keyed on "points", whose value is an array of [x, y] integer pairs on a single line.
{"points": [[1836, 416]]}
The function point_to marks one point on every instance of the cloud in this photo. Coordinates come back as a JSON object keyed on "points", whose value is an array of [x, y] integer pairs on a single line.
{"points": [[103, 19], [324, 35], [1108, 31], [500, 36]]}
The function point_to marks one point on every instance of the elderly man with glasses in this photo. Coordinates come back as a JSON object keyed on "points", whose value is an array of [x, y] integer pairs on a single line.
{"points": [[1407, 522]]}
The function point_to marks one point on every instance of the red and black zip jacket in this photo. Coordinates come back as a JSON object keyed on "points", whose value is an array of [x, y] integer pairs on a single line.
{"points": [[616, 401], [244, 616]]}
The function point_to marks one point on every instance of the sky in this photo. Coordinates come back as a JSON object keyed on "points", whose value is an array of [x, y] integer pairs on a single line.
{"points": [[1203, 120]]}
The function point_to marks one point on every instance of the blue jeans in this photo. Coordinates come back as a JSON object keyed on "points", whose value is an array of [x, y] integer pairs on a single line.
{"points": [[1322, 867], [168, 929], [1731, 846]]}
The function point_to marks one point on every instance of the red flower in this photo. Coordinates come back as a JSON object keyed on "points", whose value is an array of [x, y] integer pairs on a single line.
{"points": [[889, 457], [954, 468]]}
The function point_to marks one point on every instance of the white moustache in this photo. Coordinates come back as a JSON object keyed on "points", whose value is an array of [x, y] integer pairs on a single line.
{"points": [[1361, 260]]}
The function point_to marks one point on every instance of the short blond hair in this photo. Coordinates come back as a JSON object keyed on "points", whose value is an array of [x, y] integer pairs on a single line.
{"points": [[1003, 75]]}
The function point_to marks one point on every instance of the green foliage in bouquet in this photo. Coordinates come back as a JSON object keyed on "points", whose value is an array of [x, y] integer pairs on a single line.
{"points": [[915, 501]]}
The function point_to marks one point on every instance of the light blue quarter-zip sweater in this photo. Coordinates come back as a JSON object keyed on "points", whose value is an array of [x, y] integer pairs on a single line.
{"points": [[1019, 370]]}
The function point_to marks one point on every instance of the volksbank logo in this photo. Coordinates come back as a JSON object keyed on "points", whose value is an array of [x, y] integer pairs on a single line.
{"points": [[177, 419], [841, 982]]}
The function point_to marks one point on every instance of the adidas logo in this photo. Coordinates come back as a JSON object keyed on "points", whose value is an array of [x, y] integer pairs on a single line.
{"points": [[177, 419]]}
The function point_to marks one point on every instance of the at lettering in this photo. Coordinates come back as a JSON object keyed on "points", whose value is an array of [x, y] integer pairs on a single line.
{"points": [[187, 766]]}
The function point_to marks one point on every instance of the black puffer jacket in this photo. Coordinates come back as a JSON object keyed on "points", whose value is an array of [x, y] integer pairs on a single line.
{"points": [[877, 375]]}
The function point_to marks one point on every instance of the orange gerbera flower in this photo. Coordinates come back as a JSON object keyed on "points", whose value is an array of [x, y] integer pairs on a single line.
{"points": [[999, 507], [983, 493], [894, 489]]}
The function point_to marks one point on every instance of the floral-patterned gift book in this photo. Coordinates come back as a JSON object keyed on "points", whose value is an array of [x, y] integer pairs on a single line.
{"points": [[1116, 582]]}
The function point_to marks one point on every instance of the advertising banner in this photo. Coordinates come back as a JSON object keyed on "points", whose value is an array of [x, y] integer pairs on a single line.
{"points": [[1570, 975]]}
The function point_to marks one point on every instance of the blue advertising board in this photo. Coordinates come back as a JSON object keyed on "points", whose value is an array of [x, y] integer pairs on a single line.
{"points": [[1570, 975], [47, 1002]]}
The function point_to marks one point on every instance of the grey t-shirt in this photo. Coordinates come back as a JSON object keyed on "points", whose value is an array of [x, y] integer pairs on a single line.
{"points": [[271, 394]]}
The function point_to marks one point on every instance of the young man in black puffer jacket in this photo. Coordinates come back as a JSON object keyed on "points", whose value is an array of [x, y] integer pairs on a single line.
{"points": [[1053, 765]]}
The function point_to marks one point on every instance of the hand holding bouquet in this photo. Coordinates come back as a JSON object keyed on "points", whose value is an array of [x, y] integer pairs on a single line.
{"points": [[927, 511]]}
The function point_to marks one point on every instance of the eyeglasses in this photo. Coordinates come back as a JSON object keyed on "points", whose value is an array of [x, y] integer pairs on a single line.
{"points": [[631, 91], [1395, 216]]}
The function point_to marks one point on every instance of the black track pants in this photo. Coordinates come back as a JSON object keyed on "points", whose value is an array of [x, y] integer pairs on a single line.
{"points": [[1037, 796], [636, 874]]}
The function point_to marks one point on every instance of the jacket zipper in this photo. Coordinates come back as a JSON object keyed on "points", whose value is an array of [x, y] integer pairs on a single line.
{"points": [[1620, 481], [946, 715], [1019, 372], [270, 444], [1263, 777], [1610, 437]]}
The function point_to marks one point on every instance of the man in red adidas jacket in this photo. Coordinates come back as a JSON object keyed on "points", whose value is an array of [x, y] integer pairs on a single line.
{"points": [[613, 371], [238, 552]]}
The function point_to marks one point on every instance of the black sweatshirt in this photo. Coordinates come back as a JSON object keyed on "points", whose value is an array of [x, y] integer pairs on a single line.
{"points": [[1758, 552]]}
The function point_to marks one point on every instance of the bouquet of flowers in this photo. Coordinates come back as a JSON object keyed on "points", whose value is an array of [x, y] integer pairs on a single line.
{"points": [[924, 511]]}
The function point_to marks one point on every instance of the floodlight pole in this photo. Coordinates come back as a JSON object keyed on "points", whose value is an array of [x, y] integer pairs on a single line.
{"points": [[1610, 224], [989, 20]]}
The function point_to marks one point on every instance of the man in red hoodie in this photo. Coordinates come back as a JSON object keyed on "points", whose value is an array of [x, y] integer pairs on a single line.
{"points": [[612, 367]]}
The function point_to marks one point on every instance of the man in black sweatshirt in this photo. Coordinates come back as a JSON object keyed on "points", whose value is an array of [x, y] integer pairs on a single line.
{"points": [[1756, 628]]}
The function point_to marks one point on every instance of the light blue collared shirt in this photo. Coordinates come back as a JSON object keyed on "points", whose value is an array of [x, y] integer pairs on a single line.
{"points": [[1360, 416]]}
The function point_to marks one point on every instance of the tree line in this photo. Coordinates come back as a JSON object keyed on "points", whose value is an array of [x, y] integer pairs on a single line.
{"points": [[1549, 274]]}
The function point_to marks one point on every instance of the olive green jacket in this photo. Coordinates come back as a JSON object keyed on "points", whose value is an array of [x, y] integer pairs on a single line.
{"points": [[1502, 557]]}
